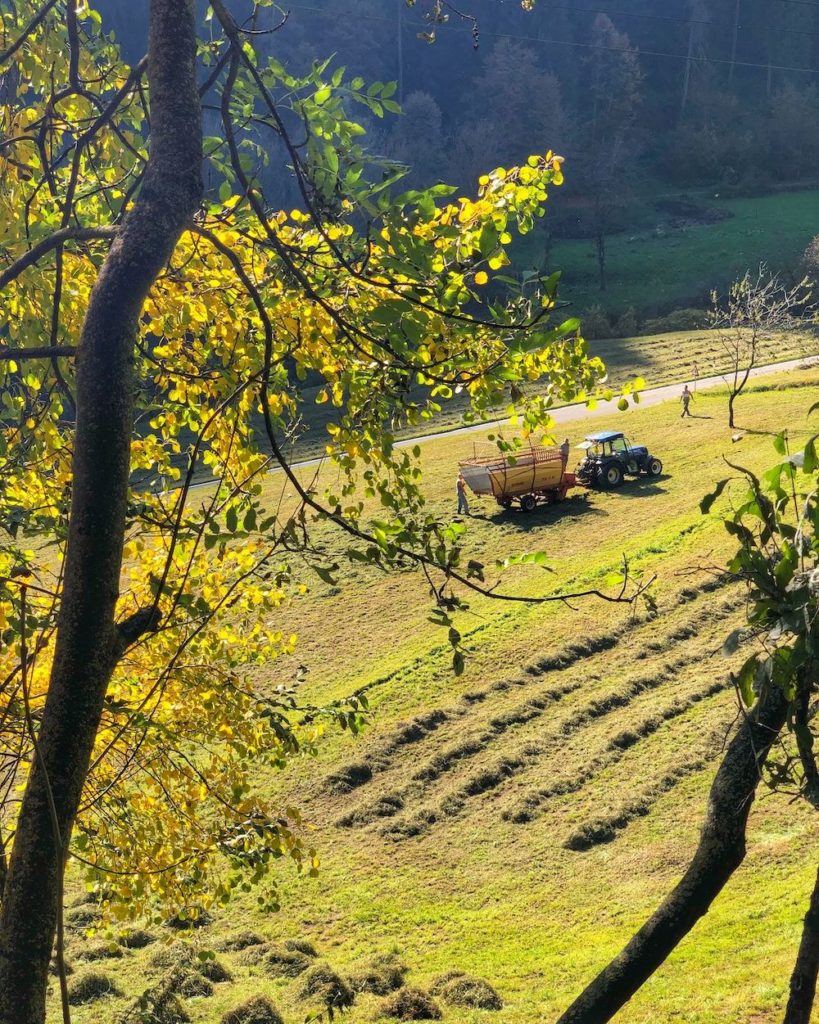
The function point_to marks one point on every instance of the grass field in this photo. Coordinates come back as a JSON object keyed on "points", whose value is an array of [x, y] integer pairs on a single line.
{"points": [[686, 263], [517, 822]]}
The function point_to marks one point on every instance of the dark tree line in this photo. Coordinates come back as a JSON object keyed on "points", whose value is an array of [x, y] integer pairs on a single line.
{"points": [[641, 98]]}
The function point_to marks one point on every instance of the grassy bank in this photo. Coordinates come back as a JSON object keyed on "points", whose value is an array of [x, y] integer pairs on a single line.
{"points": [[677, 267], [519, 821]]}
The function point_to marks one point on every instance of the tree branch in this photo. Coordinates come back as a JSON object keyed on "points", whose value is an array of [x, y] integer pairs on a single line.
{"points": [[48, 244]]}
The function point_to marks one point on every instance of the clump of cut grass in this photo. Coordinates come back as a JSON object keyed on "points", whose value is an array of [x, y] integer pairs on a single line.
{"points": [[301, 946], [189, 919], [411, 1004], [252, 955], [99, 951], [440, 983], [167, 957], [159, 1004], [240, 941], [137, 938], [194, 985], [322, 983], [349, 777], [381, 976], [256, 1010], [214, 970], [280, 962], [83, 917], [471, 993], [89, 987]]}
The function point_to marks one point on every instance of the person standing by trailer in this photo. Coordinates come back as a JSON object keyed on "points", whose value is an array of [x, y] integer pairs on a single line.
{"points": [[685, 398], [460, 486], [564, 453]]}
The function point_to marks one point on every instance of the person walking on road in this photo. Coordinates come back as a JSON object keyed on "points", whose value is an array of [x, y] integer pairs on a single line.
{"points": [[685, 398], [564, 453], [463, 504]]}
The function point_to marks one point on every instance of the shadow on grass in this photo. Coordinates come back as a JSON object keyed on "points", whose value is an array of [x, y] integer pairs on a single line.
{"points": [[575, 507]]}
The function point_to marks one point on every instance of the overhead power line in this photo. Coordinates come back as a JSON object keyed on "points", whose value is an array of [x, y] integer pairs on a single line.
{"points": [[635, 50]]}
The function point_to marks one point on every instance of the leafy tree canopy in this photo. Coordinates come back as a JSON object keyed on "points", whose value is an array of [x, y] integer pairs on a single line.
{"points": [[384, 298]]}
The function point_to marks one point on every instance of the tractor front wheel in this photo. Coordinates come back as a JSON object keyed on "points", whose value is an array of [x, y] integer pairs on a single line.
{"points": [[654, 468]]}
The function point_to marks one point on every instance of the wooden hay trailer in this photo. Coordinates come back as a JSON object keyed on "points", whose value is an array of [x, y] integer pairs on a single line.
{"points": [[528, 476]]}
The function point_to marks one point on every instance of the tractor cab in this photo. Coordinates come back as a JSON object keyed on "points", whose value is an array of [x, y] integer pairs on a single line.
{"points": [[610, 457]]}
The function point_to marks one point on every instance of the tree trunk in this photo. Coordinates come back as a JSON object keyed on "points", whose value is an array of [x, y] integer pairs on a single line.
{"points": [[734, 41], [720, 851], [89, 642], [803, 979], [601, 258], [731, 399]]}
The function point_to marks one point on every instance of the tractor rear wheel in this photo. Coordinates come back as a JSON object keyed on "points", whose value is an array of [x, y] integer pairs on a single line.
{"points": [[613, 475], [528, 502]]}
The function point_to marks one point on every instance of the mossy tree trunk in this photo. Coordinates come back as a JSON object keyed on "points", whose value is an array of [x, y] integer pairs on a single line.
{"points": [[803, 978]]}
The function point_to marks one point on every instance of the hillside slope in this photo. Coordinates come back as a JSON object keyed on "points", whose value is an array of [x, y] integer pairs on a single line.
{"points": [[519, 821]]}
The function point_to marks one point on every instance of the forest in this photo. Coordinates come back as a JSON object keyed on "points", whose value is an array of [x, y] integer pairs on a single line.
{"points": [[659, 108]]}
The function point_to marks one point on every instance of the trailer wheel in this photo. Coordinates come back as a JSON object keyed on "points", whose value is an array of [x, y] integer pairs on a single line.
{"points": [[528, 503], [655, 467], [505, 502]]}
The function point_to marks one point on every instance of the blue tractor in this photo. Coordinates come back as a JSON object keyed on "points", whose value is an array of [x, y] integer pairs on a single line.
{"points": [[610, 458]]}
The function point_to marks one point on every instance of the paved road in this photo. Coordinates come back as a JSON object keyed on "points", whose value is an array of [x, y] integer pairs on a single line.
{"points": [[579, 410]]}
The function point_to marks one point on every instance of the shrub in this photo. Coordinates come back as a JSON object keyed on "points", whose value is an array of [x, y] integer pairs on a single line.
{"points": [[411, 1004], [86, 988], [594, 324], [627, 323], [321, 982], [256, 1010], [689, 319], [240, 941], [473, 993], [193, 984], [280, 962]]}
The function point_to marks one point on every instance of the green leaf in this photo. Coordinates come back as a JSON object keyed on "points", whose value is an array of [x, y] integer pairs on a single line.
{"points": [[745, 679], [811, 461]]}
